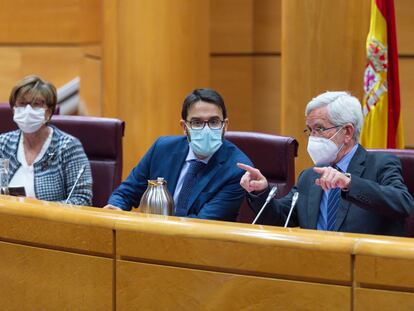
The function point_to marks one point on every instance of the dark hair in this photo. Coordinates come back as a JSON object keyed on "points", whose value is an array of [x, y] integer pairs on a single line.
{"points": [[205, 95], [34, 86]]}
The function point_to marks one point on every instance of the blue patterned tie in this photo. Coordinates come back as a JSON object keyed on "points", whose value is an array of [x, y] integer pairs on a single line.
{"points": [[333, 204], [190, 180]]}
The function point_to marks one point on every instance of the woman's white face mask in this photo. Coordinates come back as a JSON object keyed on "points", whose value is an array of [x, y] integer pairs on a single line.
{"points": [[323, 150], [29, 119]]}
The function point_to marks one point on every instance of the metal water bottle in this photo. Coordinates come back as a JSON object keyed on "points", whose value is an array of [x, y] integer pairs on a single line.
{"points": [[4, 176], [157, 199]]}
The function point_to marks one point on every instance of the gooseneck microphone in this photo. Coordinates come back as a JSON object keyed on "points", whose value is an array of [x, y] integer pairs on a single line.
{"points": [[76, 182], [270, 196], [292, 205]]}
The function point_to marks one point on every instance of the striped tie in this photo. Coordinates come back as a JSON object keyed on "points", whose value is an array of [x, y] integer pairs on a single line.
{"points": [[333, 204], [188, 185]]}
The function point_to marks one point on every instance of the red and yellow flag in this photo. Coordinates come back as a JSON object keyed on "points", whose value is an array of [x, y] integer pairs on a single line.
{"points": [[381, 104]]}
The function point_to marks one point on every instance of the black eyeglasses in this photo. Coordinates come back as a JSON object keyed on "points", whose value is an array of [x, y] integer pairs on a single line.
{"points": [[214, 124], [318, 131]]}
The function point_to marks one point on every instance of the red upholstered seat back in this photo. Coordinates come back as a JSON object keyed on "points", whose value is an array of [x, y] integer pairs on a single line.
{"points": [[273, 155], [102, 140], [407, 163]]}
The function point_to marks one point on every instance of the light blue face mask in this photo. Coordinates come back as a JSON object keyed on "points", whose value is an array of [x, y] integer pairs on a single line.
{"points": [[206, 141]]}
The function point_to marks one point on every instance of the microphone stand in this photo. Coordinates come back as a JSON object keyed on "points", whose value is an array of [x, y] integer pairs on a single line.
{"points": [[294, 199], [76, 182], [271, 195]]}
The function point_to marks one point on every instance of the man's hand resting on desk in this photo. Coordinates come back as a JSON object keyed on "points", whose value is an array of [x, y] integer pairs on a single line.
{"points": [[252, 180], [112, 207]]}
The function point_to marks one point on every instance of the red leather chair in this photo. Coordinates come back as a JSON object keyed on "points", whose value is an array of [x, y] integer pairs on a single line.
{"points": [[407, 163], [102, 140], [6, 118], [273, 155]]}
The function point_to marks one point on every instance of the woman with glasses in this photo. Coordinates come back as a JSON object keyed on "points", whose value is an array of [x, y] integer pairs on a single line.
{"points": [[43, 159]]}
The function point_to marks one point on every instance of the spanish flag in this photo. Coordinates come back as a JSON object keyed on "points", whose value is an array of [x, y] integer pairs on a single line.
{"points": [[381, 104]]}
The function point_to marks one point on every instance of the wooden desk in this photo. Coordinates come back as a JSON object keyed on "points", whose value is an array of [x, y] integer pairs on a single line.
{"points": [[83, 258]]}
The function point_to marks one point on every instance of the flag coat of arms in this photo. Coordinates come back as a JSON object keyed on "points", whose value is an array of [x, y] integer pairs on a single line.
{"points": [[381, 103]]}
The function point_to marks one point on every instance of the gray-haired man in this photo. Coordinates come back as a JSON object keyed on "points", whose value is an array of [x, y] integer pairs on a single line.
{"points": [[349, 189]]}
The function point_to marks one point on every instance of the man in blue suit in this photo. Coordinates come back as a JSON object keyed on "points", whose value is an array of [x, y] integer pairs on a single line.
{"points": [[349, 189], [200, 167]]}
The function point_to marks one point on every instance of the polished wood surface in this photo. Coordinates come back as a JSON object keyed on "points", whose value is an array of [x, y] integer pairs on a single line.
{"points": [[160, 287], [229, 75], [41, 279], [231, 26], [319, 54], [58, 65], [406, 67], [374, 300], [162, 54], [123, 260], [50, 21], [90, 82]]}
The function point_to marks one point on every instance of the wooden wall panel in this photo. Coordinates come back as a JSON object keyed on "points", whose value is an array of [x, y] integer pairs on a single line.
{"points": [[64, 281], [245, 62], [110, 59], [319, 55], [162, 55], [231, 26], [55, 64], [267, 26], [188, 289], [374, 300], [232, 77], [406, 67], [90, 86], [50, 21], [404, 13], [266, 94]]}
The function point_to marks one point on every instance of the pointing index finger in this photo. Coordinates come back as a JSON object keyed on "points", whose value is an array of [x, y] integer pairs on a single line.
{"points": [[246, 167]]}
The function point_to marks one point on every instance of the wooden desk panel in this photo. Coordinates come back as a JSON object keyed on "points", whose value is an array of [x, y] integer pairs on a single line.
{"points": [[35, 231], [236, 256], [374, 300], [41, 279], [379, 271], [152, 287]]}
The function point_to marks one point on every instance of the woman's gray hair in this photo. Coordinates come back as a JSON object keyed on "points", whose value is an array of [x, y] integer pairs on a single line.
{"points": [[342, 108]]}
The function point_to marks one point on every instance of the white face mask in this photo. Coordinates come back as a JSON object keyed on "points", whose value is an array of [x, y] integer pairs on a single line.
{"points": [[323, 150], [29, 120]]}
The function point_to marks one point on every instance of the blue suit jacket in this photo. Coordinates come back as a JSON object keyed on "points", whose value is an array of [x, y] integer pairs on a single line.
{"points": [[217, 194], [377, 202]]}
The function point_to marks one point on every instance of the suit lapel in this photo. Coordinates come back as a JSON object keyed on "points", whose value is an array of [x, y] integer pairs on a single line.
{"points": [[175, 166], [212, 168], [314, 202], [356, 168]]}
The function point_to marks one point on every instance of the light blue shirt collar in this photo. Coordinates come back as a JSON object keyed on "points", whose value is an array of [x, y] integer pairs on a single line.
{"points": [[344, 162]]}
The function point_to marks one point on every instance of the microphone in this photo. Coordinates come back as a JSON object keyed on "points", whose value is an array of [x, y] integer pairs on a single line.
{"points": [[271, 195], [76, 182], [294, 199]]}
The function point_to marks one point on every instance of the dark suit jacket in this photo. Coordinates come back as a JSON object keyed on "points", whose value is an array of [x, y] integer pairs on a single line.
{"points": [[217, 194], [377, 201]]}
